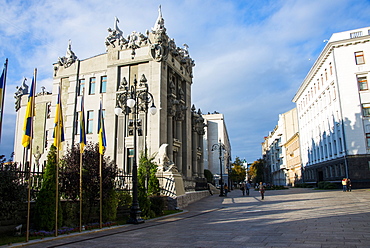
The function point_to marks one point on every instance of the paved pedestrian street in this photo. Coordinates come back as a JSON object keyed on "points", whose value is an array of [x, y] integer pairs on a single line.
{"points": [[286, 218]]}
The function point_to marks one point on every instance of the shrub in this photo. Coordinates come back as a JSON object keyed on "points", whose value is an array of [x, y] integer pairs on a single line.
{"points": [[12, 191], [124, 198], [209, 176], [326, 185], [45, 202], [157, 205], [303, 185], [148, 184]]}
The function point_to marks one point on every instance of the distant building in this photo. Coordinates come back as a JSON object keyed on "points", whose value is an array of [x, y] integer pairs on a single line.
{"points": [[292, 148], [216, 132], [150, 58], [333, 106], [280, 151]]}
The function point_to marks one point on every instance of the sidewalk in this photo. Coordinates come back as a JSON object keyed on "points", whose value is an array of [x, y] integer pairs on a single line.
{"points": [[286, 218]]}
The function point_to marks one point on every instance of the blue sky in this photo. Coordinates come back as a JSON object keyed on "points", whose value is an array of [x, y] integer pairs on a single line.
{"points": [[251, 55]]}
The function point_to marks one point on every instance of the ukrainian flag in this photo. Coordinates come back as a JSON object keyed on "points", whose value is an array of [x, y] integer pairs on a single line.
{"points": [[82, 127], [58, 134], [101, 131], [27, 124], [2, 86]]}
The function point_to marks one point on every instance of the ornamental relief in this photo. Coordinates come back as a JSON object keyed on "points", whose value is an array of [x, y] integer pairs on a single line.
{"points": [[160, 45], [197, 121]]}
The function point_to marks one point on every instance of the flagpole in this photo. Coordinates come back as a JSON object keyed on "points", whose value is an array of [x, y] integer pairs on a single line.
{"points": [[57, 170], [56, 192], [82, 139], [100, 164], [3, 96], [30, 164], [80, 190], [101, 191]]}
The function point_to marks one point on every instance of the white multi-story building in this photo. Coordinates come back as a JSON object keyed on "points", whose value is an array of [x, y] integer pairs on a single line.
{"points": [[273, 153], [333, 106], [216, 134]]}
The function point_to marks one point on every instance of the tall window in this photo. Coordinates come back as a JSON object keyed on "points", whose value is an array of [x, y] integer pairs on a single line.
{"points": [[92, 86], [359, 56], [103, 84], [90, 121], [362, 83], [81, 87], [366, 109], [318, 84], [130, 159], [77, 123], [368, 140]]}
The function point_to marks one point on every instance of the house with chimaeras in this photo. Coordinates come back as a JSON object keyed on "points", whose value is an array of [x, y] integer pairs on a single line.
{"points": [[149, 61]]}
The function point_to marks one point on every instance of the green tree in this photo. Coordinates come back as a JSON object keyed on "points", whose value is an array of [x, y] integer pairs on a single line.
{"points": [[45, 201], [209, 176], [13, 192], [256, 171], [148, 184], [238, 172]]}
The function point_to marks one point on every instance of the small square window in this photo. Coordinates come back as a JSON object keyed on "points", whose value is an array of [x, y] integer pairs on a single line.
{"points": [[362, 83], [366, 109], [359, 56]]}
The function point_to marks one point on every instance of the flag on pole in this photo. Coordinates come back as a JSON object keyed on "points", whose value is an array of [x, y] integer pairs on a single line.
{"points": [[101, 131], [27, 124], [2, 94], [58, 134], [82, 126]]}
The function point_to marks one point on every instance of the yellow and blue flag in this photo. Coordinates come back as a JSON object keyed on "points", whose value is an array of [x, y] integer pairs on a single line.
{"points": [[82, 127], [58, 134], [101, 131], [2, 93], [28, 118], [2, 89]]}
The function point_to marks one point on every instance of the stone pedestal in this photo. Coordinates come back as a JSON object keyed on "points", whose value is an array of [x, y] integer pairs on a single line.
{"points": [[171, 183]]}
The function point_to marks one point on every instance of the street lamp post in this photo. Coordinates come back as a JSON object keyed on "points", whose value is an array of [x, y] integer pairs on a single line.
{"points": [[221, 147], [133, 100]]}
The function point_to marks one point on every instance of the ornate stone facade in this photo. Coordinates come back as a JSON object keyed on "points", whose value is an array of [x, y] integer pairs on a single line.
{"points": [[168, 71]]}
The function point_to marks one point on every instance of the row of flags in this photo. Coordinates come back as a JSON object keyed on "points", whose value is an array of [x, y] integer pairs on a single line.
{"points": [[58, 133]]}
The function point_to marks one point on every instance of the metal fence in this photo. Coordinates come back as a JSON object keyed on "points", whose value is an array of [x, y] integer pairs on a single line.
{"points": [[122, 182]]}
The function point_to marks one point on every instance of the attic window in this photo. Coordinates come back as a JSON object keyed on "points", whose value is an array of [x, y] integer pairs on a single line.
{"points": [[356, 34]]}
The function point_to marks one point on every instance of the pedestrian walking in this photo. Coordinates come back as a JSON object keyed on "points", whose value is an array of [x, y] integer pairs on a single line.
{"points": [[247, 187], [226, 189], [349, 185], [262, 190], [242, 188], [344, 184]]}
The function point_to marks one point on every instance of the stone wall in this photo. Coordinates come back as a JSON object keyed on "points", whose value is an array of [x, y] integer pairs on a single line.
{"points": [[190, 197]]}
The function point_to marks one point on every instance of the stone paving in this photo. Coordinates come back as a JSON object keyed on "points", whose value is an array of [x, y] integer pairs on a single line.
{"points": [[286, 218]]}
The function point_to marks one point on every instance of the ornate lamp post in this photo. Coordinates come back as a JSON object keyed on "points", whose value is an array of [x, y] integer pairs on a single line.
{"points": [[221, 147], [133, 100]]}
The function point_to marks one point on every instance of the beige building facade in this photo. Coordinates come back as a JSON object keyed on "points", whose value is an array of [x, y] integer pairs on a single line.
{"points": [[281, 151], [153, 60]]}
